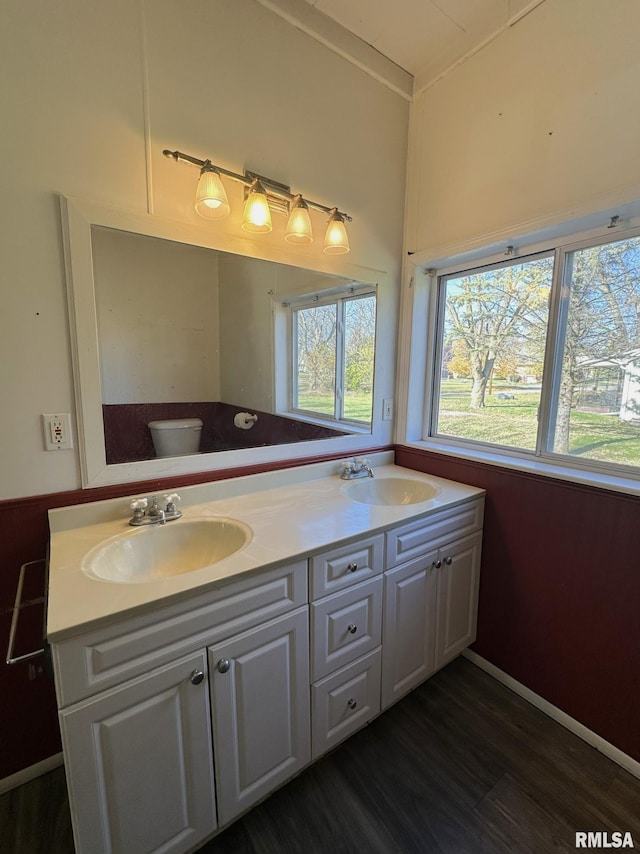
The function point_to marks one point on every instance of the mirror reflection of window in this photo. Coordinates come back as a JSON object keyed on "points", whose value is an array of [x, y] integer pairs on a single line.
{"points": [[333, 357], [316, 336]]}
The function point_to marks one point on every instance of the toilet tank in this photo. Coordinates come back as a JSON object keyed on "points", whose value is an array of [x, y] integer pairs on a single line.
{"points": [[176, 437]]}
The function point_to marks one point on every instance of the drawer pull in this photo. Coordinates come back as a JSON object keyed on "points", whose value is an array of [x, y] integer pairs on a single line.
{"points": [[437, 564], [352, 629], [196, 677], [352, 704], [223, 665], [448, 561], [352, 567]]}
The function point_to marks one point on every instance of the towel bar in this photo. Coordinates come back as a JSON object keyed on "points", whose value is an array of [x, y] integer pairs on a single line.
{"points": [[18, 605]]}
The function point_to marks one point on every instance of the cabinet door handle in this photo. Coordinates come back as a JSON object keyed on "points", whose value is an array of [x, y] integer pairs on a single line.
{"points": [[448, 561], [196, 677], [223, 665], [352, 704], [352, 567], [352, 629], [437, 564]]}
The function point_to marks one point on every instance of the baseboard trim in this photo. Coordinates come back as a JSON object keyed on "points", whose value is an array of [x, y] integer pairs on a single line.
{"points": [[30, 773], [609, 750]]}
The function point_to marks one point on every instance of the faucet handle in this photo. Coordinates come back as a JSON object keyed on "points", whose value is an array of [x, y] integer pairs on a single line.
{"points": [[346, 466], [172, 499], [138, 505]]}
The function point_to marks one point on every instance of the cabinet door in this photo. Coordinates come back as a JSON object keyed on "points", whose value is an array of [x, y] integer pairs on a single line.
{"points": [[139, 763], [260, 701], [458, 582], [408, 639]]}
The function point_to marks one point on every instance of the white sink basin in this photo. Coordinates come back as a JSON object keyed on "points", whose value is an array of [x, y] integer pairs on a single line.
{"points": [[161, 551], [391, 491]]}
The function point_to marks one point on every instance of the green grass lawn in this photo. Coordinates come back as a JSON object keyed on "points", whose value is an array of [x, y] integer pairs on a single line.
{"points": [[514, 423], [357, 405]]}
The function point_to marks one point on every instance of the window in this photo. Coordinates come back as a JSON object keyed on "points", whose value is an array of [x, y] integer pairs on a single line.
{"points": [[333, 342], [541, 355]]}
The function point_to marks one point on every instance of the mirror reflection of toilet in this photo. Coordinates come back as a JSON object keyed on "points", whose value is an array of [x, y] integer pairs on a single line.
{"points": [[176, 437]]}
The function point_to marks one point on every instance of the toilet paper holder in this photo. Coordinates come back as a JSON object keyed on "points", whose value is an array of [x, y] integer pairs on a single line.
{"points": [[244, 420]]}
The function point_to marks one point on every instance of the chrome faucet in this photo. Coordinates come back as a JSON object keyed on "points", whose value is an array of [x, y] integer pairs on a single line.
{"points": [[355, 468], [155, 515]]}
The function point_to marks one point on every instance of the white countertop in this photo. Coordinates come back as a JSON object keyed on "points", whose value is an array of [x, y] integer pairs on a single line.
{"points": [[292, 514]]}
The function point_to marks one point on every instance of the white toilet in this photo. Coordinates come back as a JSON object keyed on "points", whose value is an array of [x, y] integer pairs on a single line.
{"points": [[176, 437]]}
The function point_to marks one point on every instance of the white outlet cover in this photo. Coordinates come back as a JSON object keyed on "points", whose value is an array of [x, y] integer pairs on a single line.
{"points": [[57, 431]]}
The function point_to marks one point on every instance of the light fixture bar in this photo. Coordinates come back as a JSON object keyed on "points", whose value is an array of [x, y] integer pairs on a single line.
{"points": [[273, 188]]}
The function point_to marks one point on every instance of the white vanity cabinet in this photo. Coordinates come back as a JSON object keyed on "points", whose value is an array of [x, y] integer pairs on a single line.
{"points": [[136, 699], [431, 595], [181, 710], [346, 634], [260, 703]]}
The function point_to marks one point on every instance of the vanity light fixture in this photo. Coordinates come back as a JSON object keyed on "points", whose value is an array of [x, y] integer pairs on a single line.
{"points": [[257, 216], [336, 241], [299, 224], [211, 197], [263, 196]]}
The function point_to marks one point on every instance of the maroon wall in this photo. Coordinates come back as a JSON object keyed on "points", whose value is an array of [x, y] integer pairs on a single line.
{"points": [[559, 591], [28, 714], [128, 438]]}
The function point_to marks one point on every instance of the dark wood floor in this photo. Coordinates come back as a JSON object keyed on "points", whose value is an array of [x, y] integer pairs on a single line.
{"points": [[460, 766]]}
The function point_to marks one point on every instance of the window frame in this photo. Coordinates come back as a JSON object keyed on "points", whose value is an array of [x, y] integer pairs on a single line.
{"points": [[339, 299], [421, 386], [432, 414]]}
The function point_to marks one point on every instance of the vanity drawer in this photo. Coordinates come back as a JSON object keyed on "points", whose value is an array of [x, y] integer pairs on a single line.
{"points": [[416, 538], [105, 657], [346, 565], [345, 626], [344, 702]]}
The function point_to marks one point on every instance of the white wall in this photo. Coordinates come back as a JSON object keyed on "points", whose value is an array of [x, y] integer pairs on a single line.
{"points": [[157, 311], [542, 123], [91, 94], [246, 338]]}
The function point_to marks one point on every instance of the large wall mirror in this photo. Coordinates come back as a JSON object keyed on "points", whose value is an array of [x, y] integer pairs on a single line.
{"points": [[165, 325]]}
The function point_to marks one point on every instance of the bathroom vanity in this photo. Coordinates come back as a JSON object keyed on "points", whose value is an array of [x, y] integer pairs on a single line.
{"points": [[184, 700]]}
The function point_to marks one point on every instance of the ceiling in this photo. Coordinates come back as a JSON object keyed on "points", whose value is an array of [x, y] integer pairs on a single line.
{"points": [[425, 37]]}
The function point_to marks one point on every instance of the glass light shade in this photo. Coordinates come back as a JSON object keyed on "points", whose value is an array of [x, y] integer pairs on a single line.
{"points": [[257, 216], [211, 197], [336, 241], [299, 224]]}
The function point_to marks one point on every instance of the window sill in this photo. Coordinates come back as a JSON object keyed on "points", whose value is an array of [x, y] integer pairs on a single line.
{"points": [[343, 426], [598, 480]]}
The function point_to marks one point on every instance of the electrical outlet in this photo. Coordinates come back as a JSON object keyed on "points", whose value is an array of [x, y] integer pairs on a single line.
{"points": [[387, 409], [57, 432]]}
